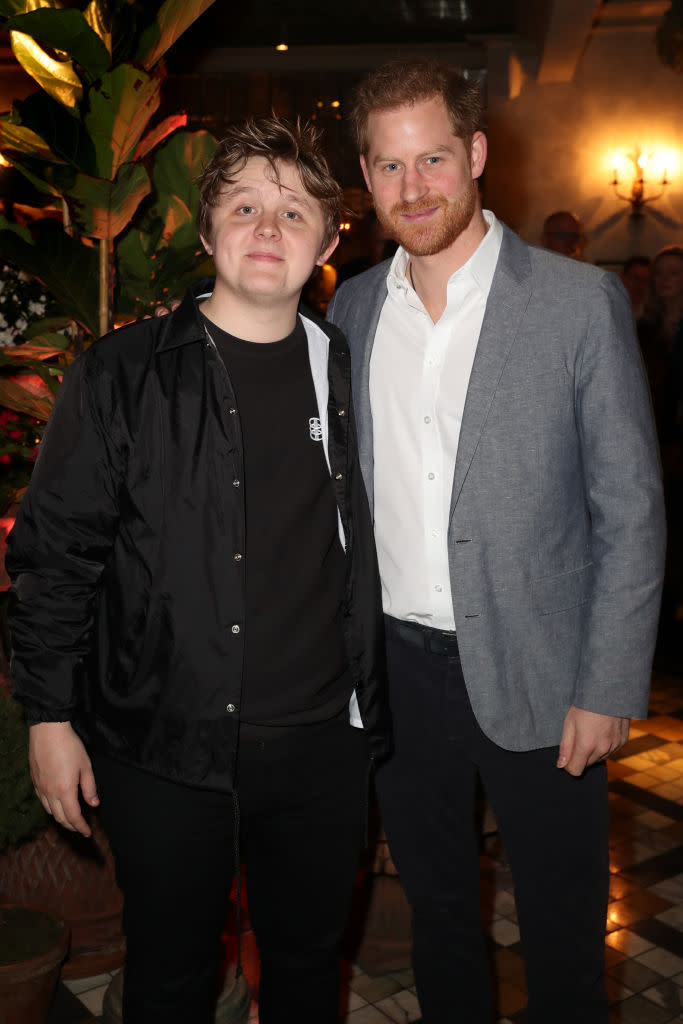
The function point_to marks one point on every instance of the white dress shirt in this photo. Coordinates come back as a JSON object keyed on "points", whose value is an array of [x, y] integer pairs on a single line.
{"points": [[419, 373]]}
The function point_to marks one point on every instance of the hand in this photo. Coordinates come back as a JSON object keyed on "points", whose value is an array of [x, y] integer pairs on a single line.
{"points": [[163, 310], [588, 737], [59, 764]]}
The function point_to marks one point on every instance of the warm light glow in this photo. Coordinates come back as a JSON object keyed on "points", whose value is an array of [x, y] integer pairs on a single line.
{"points": [[335, 103], [3, 162], [282, 47], [642, 160], [320, 104]]}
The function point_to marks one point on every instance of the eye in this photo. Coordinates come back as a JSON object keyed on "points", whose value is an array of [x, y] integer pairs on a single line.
{"points": [[292, 215], [432, 160], [393, 166], [246, 209]]}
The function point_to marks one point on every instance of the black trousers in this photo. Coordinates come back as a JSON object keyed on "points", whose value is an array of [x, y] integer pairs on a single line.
{"points": [[302, 795], [555, 831]]}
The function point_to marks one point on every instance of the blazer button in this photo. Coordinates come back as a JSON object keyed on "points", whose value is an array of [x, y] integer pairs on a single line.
{"points": [[235, 628], [231, 708], [235, 482], [342, 412], [337, 476], [237, 557]]}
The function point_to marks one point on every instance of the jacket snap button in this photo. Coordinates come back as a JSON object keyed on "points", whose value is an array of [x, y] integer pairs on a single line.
{"points": [[237, 557], [235, 483], [231, 708], [235, 629], [342, 412], [337, 476]]}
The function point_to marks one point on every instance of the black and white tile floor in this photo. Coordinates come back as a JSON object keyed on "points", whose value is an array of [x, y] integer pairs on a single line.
{"points": [[644, 936]]}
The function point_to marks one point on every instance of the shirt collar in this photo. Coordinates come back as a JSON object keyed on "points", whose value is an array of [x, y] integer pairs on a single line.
{"points": [[481, 266]]}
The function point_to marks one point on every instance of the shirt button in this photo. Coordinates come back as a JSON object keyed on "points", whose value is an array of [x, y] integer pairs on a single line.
{"points": [[237, 557], [235, 628], [235, 482], [438, 588], [430, 476], [231, 708], [428, 419]]}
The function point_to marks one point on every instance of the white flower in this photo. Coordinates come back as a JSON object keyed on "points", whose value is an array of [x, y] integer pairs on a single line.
{"points": [[37, 308], [21, 324], [6, 339], [3, 321]]}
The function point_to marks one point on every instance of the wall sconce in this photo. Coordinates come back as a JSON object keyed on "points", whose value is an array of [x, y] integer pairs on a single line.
{"points": [[637, 198]]}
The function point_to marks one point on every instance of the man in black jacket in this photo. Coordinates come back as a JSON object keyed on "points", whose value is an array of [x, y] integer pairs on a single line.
{"points": [[195, 607]]}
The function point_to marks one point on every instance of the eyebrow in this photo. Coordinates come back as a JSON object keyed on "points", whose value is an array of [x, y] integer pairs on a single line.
{"points": [[302, 198], [433, 151]]}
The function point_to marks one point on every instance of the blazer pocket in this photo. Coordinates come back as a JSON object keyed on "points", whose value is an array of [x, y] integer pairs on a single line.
{"points": [[566, 590]]}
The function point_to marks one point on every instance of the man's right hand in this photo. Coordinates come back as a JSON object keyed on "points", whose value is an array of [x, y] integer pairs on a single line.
{"points": [[59, 765]]}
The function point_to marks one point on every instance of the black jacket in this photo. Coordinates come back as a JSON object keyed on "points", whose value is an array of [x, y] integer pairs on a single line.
{"points": [[127, 605]]}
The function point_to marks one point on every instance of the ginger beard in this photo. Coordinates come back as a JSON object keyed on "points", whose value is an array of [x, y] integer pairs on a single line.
{"points": [[428, 239]]}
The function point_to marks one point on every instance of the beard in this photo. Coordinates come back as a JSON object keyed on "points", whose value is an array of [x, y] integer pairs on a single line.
{"points": [[441, 232]]}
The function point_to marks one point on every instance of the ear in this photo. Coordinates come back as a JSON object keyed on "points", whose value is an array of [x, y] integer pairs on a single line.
{"points": [[209, 248], [478, 152], [364, 168], [325, 255]]}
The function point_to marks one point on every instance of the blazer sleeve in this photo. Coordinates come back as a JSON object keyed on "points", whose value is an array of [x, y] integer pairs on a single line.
{"points": [[58, 549], [622, 480]]}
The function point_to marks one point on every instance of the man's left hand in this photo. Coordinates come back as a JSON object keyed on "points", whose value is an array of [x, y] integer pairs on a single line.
{"points": [[588, 737]]}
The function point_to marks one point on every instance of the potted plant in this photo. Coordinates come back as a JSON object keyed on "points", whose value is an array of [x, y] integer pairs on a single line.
{"points": [[33, 941], [41, 864]]}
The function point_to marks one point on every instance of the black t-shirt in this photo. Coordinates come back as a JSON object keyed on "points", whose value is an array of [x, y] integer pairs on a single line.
{"points": [[295, 664]]}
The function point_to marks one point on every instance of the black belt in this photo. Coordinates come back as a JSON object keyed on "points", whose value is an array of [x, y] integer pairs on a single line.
{"points": [[434, 641]]}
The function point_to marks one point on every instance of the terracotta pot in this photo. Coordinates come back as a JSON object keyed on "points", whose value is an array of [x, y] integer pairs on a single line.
{"points": [[28, 985], [74, 878]]}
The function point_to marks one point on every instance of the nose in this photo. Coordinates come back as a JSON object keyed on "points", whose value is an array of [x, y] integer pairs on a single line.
{"points": [[413, 186], [268, 226]]}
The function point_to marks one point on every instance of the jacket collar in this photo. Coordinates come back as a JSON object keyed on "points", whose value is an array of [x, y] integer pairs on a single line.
{"points": [[184, 325]]}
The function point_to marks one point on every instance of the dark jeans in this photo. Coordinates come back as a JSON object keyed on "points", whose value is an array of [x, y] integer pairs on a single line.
{"points": [[302, 794], [555, 831]]}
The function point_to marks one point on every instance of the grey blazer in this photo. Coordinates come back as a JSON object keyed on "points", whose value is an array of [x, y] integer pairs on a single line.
{"points": [[556, 533]]}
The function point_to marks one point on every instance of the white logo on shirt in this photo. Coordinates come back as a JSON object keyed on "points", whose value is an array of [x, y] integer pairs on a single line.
{"points": [[315, 429]]}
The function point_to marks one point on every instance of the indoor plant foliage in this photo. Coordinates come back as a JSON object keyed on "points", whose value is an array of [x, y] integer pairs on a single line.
{"points": [[122, 184], [21, 813]]}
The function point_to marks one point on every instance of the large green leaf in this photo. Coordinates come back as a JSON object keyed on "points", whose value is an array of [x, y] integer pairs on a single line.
{"points": [[43, 347], [67, 31], [8, 8], [68, 268], [22, 140], [159, 133], [173, 18], [63, 133], [179, 162], [102, 208], [120, 107], [57, 77], [99, 19], [15, 396]]}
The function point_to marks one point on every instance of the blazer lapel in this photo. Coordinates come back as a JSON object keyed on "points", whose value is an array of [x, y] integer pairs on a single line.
{"points": [[361, 341], [507, 301]]}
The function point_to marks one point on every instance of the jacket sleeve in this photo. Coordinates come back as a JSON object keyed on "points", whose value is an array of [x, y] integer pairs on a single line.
{"points": [[622, 482], [59, 546]]}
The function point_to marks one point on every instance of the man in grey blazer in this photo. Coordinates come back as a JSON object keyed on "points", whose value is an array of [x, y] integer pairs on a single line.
{"points": [[510, 458]]}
